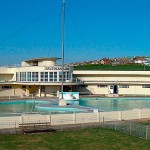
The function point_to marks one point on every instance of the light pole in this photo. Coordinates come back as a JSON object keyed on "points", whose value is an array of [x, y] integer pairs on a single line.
{"points": [[62, 102]]}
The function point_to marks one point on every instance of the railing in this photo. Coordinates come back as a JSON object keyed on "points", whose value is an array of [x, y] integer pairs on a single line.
{"points": [[135, 95], [11, 66], [130, 128], [126, 127]]}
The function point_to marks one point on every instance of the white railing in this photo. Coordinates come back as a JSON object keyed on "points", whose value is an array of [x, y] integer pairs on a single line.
{"points": [[59, 124]]}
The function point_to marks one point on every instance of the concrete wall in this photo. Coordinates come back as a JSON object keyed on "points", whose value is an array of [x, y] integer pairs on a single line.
{"points": [[52, 90], [6, 92]]}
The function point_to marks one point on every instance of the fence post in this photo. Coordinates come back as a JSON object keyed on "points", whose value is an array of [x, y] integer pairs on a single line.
{"points": [[120, 115], [82, 123], [74, 117], [61, 125], [140, 113], [130, 128], [146, 132], [115, 127], [15, 128], [22, 119], [50, 118], [103, 121], [99, 115]]}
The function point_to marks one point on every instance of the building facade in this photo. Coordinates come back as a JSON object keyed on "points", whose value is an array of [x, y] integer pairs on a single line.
{"points": [[42, 77], [109, 83], [39, 77]]}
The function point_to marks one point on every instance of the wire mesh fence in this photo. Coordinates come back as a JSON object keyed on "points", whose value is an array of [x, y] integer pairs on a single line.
{"points": [[126, 127], [130, 128]]}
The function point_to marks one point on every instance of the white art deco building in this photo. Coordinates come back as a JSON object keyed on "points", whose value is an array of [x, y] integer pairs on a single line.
{"points": [[42, 77]]}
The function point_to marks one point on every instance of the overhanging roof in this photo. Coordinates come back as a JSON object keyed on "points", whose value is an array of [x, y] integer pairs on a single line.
{"points": [[43, 59]]}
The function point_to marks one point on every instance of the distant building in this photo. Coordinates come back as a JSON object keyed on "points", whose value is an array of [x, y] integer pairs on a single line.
{"points": [[42, 77], [140, 60], [105, 61]]}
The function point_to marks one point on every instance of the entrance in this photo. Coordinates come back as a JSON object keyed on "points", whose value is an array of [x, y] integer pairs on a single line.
{"points": [[113, 89]]}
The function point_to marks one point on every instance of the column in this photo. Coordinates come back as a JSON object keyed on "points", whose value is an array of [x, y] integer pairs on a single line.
{"points": [[39, 89], [27, 90]]}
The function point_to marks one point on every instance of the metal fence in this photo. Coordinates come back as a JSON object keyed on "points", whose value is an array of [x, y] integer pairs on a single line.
{"points": [[130, 128], [126, 127]]}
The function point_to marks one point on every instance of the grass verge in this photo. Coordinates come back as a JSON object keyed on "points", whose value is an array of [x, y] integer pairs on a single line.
{"points": [[85, 139]]}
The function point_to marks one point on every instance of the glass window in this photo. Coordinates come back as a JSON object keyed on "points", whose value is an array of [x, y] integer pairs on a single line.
{"points": [[17, 76], [22, 76], [102, 86], [6, 87], [60, 76], [146, 86], [35, 76], [51, 76], [23, 87], [46, 76], [68, 75], [124, 86], [28, 76], [55, 76], [42, 76]]}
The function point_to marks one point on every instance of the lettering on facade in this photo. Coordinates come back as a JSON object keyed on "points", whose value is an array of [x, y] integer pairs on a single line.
{"points": [[56, 68]]}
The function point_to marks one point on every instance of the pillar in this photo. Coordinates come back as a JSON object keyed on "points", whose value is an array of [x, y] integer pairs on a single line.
{"points": [[39, 89]]}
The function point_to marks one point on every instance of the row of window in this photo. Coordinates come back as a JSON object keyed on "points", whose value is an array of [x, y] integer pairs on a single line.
{"points": [[101, 86], [42, 76], [122, 86]]}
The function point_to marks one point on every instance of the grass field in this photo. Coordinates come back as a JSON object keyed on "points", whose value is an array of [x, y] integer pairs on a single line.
{"points": [[132, 67], [85, 139]]}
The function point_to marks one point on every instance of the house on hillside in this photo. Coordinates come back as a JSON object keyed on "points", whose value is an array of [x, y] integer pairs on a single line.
{"points": [[105, 61], [140, 60]]}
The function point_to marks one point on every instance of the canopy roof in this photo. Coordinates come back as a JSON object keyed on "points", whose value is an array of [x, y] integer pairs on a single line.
{"points": [[43, 59]]}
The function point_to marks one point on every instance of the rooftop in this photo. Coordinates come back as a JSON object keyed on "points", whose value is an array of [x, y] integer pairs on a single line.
{"points": [[43, 59]]}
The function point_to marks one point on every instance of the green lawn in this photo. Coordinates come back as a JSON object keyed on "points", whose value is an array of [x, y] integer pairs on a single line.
{"points": [[85, 139], [132, 67]]}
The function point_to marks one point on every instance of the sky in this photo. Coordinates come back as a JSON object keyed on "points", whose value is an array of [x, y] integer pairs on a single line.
{"points": [[93, 29]]}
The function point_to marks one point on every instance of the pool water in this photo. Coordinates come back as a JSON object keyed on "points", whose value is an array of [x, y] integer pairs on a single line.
{"points": [[115, 104], [36, 106], [20, 106], [103, 104]]}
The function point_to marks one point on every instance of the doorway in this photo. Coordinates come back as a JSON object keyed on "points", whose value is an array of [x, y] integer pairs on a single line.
{"points": [[113, 89]]}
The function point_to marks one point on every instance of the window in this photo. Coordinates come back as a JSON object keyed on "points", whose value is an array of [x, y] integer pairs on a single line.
{"points": [[124, 86], [46, 76], [42, 76], [55, 76], [23, 87], [102, 86], [6, 87], [51, 76], [35, 76], [67, 76], [28, 76], [60, 76], [146, 86], [22, 76]]}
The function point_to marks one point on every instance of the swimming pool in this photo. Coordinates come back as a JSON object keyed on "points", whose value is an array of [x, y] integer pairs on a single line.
{"points": [[115, 104], [36, 106], [44, 106]]}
